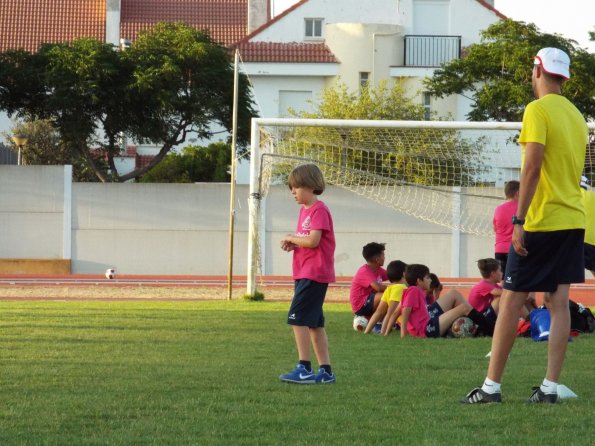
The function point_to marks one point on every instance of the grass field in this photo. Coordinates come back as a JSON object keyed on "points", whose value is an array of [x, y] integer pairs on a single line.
{"points": [[206, 373]]}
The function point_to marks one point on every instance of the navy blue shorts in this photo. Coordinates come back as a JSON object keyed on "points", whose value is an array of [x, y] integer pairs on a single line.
{"points": [[491, 316], [433, 327], [503, 259], [367, 309], [589, 257], [306, 306], [554, 258]]}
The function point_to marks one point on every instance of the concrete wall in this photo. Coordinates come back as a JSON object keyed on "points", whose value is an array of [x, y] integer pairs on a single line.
{"points": [[183, 228]]}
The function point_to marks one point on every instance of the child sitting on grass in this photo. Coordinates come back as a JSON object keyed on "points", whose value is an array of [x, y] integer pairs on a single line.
{"points": [[485, 295], [434, 321], [369, 282], [435, 289], [391, 296]]}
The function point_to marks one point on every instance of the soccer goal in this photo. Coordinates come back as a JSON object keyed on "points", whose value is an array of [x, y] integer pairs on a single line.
{"points": [[449, 173]]}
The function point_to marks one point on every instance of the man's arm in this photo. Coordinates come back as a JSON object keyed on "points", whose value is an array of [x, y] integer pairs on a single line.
{"points": [[529, 180]]}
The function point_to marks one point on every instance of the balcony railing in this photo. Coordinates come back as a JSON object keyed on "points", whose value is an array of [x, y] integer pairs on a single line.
{"points": [[431, 51]]}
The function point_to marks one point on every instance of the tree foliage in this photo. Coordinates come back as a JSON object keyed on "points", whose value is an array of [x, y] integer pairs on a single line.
{"points": [[173, 80], [195, 164], [496, 73], [402, 156]]}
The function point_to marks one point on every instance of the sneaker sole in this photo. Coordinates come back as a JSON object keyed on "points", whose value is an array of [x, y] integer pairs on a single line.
{"points": [[291, 381]]}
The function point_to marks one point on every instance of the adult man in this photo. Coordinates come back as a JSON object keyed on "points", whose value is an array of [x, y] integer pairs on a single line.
{"points": [[547, 240]]}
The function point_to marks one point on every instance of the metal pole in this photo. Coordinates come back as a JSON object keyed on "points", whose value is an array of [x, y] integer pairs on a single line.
{"points": [[232, 194]]}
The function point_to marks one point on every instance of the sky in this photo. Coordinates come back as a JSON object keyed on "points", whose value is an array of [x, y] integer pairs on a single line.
{"points": [[571, 18]]}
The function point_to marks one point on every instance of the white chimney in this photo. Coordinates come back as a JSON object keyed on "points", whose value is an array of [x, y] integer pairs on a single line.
{"points": [[258, 14], [112, 22]]}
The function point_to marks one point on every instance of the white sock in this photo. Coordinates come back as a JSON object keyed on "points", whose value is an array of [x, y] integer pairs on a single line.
{"points": [[549, 387], [490, 386]]}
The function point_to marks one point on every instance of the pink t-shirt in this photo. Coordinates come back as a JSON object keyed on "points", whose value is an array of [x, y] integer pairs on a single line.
{"points": [[480, 296], [503, 225], [360, 285], [415, 298], [318, 263]]}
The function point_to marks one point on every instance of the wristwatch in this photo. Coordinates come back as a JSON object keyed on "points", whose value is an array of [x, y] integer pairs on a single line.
{"points": [[517, 221]]}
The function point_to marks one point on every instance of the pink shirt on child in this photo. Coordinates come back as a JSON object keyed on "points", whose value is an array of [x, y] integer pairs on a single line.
{"points": [[480, 296], [415, 298], [318, 263], [360, 285], [503, 225]]}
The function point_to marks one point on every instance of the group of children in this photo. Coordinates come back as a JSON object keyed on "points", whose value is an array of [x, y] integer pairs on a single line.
{"points": [[412, 296]]}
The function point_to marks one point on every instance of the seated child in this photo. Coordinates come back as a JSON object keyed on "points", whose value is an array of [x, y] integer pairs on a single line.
{"points": [[434, 321], [369, 282], [485, 296], [391, 296], [435, 289]]}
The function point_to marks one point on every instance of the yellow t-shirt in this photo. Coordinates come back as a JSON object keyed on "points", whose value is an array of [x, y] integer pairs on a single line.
{"points": [[557, 124], [394, 292], [589, 200]]}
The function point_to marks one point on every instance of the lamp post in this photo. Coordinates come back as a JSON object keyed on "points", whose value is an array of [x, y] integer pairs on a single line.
{"points": [[20, 140]]}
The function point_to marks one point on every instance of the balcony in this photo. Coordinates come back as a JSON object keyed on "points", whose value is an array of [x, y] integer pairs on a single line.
{"points": [[430, 51]]}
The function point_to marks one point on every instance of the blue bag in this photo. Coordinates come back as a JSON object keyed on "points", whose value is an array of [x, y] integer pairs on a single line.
{"points": [[540, 324]]}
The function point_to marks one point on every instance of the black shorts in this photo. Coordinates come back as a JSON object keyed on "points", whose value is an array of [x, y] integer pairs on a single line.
{"points": [[503, 259], [367, 309], [589, 257], [491, 316], [306, 306], [554, 258], [433, 327]]}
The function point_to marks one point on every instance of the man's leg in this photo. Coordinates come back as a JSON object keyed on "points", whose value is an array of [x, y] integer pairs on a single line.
{"points": [[505, 332], [559, 331]]}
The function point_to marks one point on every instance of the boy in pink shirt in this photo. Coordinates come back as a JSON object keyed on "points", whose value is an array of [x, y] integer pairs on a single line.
{"points": [[502, 222], [431, 321], [485, 296], [369, 282], [313, 246]]}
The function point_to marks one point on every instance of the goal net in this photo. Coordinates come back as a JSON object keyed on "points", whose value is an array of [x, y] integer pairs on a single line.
{"points": [[449, 173]]}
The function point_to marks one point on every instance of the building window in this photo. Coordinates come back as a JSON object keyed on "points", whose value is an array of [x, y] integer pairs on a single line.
{"points": [[364, 78], [313, 28], [427, 103]]}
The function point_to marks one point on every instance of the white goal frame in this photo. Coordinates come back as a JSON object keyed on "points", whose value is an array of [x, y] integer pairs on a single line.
{"points": [[255, 208]]}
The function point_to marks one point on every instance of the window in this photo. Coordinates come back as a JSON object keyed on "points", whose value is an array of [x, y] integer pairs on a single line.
{"points": [[427, 103], [313, 28], [364, 78]]}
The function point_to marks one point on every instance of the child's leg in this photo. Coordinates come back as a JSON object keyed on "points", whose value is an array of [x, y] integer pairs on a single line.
{"points": [[386, 323], [302, 341], [320, 344], [450, 300], [377, 299], [378, 314]]}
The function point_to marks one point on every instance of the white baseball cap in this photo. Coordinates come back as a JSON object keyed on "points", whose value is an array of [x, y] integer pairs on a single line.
{"points": [[554, 61]]}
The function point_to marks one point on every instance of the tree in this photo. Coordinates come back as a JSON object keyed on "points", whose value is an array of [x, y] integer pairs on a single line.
{"points": [[45, 147], [496, 73], [173, 80], [405, 156], [195, 164]]}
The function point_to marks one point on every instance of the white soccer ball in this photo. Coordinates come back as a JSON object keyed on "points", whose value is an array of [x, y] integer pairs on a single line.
{"points": [[463, 327], [360, 323], [110, 273]]}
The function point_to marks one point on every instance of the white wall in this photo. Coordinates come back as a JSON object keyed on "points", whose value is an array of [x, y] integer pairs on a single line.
{"points": [[182, 229]]}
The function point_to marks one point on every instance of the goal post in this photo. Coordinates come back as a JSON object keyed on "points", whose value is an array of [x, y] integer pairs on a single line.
{"points": [[448, 173]]}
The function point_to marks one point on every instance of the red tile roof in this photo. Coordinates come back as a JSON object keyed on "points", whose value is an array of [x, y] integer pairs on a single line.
{"points": [[26, 26], [293, 52], [226, 20]]}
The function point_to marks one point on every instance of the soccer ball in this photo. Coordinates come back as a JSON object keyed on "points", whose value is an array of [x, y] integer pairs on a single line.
{"points": [[360, 323], [110, 273], [463, 327]]}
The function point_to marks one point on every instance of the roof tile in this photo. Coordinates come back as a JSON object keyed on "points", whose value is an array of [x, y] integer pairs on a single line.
{"points": [[293, 52]]}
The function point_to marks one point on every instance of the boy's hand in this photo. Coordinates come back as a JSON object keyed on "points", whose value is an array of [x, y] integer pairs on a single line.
{"points": [[287, 246]]}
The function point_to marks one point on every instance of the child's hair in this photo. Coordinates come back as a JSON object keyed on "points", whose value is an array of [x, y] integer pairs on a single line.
{"points": [[511, 188], [487, 267], [395, 270], [307, 175], [414, 272], [435, 282], [372, 250]]}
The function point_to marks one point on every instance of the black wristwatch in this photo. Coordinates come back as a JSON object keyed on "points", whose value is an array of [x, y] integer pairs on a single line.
{"points": [[517, 221]]}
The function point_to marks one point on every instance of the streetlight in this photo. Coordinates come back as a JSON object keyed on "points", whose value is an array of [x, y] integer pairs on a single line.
{"points": [[20, 140]]}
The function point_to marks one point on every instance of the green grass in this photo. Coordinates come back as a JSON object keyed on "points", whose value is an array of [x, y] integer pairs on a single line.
{"points": [[127, 373]]}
